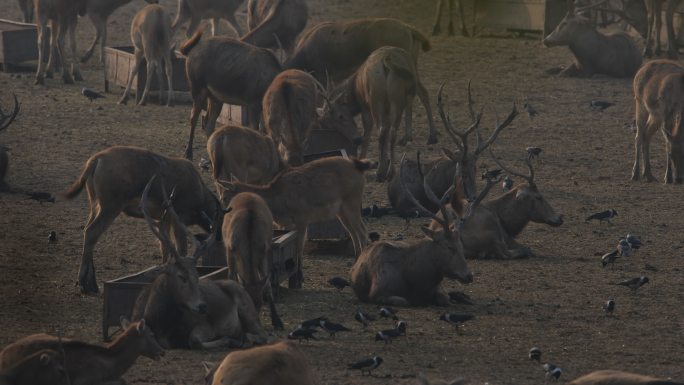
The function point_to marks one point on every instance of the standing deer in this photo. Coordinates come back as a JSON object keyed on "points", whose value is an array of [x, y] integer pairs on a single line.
{"points": [[196, 10], [614, 377], [335, 50], [658, 93], [99, 11], [223, 70], [151, 35], [441, 4], [5, 121], [275, 22], [115, 178], [316, 191], [655, 27], [26, 7], [62, 17], [41, 368]]}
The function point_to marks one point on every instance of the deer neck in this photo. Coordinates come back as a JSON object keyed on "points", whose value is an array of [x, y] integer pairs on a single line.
{"points": [[120, 355], [513, 214], [584, 44]]}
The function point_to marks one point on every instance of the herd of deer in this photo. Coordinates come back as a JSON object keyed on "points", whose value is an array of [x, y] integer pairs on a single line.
{"points": [[334, 72]]}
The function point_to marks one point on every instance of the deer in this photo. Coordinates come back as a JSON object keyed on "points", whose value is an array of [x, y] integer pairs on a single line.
{"points": [[655, 26], [316, 191], [657, 93], [5, 121], [335, 50], [613, 54], [609, 377], [247, 237], [275, 23], [224, 70], [87, 363], [40, 368], [282, 363], [99, 11], [293, 105], [62, 17], [151, 36], [196, 10], [410, 273], [185, 312], [441, 5], [423, 380], [26, 7], [114, 179]]}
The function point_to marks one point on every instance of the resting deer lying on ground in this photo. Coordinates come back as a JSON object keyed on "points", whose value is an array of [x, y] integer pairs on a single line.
{"points": [[615, 377], [450, 14], [196, 10], [5, 121], [88, 364], [115, 178], [41, 368], [274, 23]]}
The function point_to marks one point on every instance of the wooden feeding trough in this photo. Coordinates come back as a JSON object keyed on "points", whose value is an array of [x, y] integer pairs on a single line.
{"points": [[18, 43], [120, 294], [519, 15], [119, 61]]}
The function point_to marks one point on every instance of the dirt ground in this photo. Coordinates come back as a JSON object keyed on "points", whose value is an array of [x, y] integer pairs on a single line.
{"points": [[552, 301]]}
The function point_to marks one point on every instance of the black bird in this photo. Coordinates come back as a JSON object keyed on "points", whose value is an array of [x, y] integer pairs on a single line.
{"points": [[609, 258], [401, 327], [52, 237], [388, 312], [363, 318], [530, 110], [407, 215], [338, 282], [600, 105], [373, 236], [387, 335], [456, 319], [507, 184], [624, 248], [374, 211], [204, 164], [609, 306], [602, 216], [302, 333], [552, 371], [491, 174], [313, 323], [634, 241], [90, 94], [41, 196], [333, 328], [366, 365], [634, 283], [535, 353], [533, 152], [460, 297]]}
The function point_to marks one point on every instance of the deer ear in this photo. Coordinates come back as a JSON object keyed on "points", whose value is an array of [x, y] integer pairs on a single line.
{"points": [[140, 327], [45, 359], [434, 235], [124, 322]]}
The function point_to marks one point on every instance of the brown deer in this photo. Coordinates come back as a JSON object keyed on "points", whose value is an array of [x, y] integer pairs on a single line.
{"points": [[62, 17], [247, 237], [223, 70], [282, 363], [441, 5], [26, 7], [87, 363], [335, 50], [275, 23], [410, 273], [614, 54], [98, 12], [196, 10], [151, 36], [293, 105], [186, 313], [115, 178], [655, 26], [614, 377], [41, 368], [5, 121], [316, 191], [658, 93]]}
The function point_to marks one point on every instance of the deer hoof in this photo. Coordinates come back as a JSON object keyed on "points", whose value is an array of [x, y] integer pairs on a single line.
{"points": [[40, 81]]}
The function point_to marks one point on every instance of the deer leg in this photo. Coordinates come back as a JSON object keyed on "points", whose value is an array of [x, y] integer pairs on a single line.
{"points": [[54, 50], [198, 100], [451, 18], [648, 48], [408, 124], [384, 138], [438, 16], [213, 111], [40, 73], [651, 128], [641, 117], [670, 162], [658, 26], [168, 67], [86, 275], [98, 23], [66, 76], [160, 79], [464, 29], [297, 278], [276, 322], [353, 223], [150, 64], [367, 121], [75, 67], [425, 100], [138, 59], [672, 45]]}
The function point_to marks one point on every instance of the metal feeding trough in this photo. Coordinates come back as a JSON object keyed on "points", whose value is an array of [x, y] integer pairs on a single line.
{"points": [[18, 43]]}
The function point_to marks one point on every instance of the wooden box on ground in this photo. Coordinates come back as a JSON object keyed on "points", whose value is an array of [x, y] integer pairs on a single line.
{"points": [[18, 43], [119, 61], [120, 294], [283, 251], [519, 15]]}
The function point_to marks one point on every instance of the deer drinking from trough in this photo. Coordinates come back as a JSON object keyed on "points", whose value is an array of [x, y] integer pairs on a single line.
{"points": [[196, 10], [275, 23], [5, 121], [441, 6]]}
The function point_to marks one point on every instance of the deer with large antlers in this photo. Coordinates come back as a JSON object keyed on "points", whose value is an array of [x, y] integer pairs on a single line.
{"points": [[5, 121]]}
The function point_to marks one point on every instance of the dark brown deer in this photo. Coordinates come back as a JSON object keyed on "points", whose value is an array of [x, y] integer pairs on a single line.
{"points": [[224, 70], [26, 7], [316, 191], [614, 377], [41, 368], [5, 121], [335, 50], [655, 12], [62, 17], [151, 35], [247, 237], [87, 363], [196, 10], [115, 178], [275, 23], [441, 5]]}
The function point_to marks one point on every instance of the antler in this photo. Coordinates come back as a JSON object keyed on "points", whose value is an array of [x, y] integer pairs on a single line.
{"points": [[499, 126], [529, 177], [7, 119], [158, 230], [472, 205], [459, 137]]}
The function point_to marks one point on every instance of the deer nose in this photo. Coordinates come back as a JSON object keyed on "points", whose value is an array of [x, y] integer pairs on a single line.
{"points": [[202, 308]]}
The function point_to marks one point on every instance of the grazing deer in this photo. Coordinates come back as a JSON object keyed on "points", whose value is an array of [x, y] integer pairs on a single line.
{"points": [[223, 70], [282, 363], [293, 105], [185, 312], [62, 17], [26, 7], [410, 273], [613, 54], [87, 363], [655, 26], [316, 191], [337, 49], [247, 237], [275, 23], [41, 368], [98, 12], [115, 178], [5, 121], [196, 10], [441, 4], [614, 377], [151, 36], [658, 93]]}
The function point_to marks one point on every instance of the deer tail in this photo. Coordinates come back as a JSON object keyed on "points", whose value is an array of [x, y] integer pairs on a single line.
{"points": [[78, 185]]}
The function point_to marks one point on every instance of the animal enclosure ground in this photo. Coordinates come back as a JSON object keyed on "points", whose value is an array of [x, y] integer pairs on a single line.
{"points": [[552, 301]]}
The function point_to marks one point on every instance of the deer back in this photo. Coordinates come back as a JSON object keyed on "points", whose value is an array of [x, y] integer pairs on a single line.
{"points": [[267, 19], [612, 377]]}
